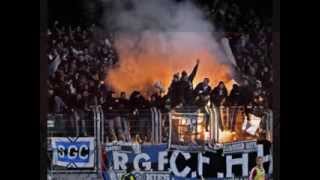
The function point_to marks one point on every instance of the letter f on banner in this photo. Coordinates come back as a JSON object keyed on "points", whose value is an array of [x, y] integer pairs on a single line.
{"points": [[162, 160], [201, 160]]}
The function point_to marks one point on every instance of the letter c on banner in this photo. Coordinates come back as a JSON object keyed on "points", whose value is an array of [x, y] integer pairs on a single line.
{"points": [[173, 165], [81, 149], [72, 154], [146, 165]]}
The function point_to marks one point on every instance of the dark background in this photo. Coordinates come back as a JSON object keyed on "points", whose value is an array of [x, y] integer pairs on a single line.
{"points": [[76, 12], [84, 12]]}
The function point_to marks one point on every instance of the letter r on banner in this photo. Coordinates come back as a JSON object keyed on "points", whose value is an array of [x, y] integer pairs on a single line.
{"points": [[119, 160]]}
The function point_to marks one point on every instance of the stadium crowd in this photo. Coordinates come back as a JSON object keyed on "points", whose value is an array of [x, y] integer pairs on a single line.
{"points": [[79, 60]]}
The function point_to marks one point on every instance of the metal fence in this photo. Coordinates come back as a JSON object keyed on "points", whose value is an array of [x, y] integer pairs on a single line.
{"points": [[138, 126], [153, 126], [186, 126], [75, 125], [211, 125]]}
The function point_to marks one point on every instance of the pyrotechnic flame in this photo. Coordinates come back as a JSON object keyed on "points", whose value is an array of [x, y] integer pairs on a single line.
{"points": [[152, 61], [226, 136]]}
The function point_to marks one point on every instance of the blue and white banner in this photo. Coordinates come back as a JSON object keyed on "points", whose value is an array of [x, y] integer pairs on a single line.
{"points": [[234, 160], [73, 152]]}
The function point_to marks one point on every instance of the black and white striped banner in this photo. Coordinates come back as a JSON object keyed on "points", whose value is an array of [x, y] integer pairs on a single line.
{"points": [[156, 125]]}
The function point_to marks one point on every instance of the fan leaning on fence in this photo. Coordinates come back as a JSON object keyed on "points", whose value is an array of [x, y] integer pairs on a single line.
{"points": [[258, 172]]}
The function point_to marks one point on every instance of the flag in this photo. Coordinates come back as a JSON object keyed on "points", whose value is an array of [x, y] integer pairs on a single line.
{"points": [[228, 51], [54, 65], [251, 126]]}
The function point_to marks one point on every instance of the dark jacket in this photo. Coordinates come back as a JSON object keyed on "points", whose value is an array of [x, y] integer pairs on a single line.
{"points": [[246, 95], [202, 94], [217, 96], [124, 105], [51, 104], [110, 107], [157, 102], [235, 98], [137, 102], [176, 93], [173, 91], [185, 91], [201, 90]]}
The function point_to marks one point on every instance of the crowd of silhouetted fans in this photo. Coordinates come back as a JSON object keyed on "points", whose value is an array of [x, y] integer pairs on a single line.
{"points": [[79, 58]]}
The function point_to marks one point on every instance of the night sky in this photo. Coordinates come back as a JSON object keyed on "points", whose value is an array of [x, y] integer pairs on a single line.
{"points": [[76, 12]]}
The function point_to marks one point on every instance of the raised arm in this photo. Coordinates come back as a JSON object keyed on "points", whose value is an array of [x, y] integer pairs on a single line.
{"points": [[194, 71]]}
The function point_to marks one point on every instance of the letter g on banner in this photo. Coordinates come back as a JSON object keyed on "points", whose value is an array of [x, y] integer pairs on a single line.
{"points": [[146, 165], [72, 152]]}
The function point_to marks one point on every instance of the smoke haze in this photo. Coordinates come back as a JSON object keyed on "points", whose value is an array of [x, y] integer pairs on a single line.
{"points": [[157, 38]]}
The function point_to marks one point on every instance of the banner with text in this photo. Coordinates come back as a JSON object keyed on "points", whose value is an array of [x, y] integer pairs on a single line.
{"points": [[157, 162], [73, 152]]}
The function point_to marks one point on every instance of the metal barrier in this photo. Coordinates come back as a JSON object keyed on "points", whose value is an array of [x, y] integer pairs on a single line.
{"points": [[72, 126], [186, 126], [246, 123], [152, 125], [141, 125], [217, 124], [211, 125], [76, 124]]}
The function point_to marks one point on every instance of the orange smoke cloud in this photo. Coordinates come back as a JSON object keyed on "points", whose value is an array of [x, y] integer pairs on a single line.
{"points": [[155, 58]]}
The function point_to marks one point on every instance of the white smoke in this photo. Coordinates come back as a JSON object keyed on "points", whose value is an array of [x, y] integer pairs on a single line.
{"points": [[174, 23], [166, 34]]}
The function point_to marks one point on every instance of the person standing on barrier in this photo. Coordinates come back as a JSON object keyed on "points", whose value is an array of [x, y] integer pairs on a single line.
{"points": [[92, 102], [86, 111], [79, 114], [246, 97], [234, 100], [173, 92], [186, 86], [202, 93], [138, 103], [202, 97], [124, 111], [72, 103], [112, 117], [156, 101], [217, 96]]}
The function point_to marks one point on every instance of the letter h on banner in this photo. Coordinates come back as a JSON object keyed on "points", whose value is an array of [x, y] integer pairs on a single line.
{"points": [[238, 161], [266, 158]]}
